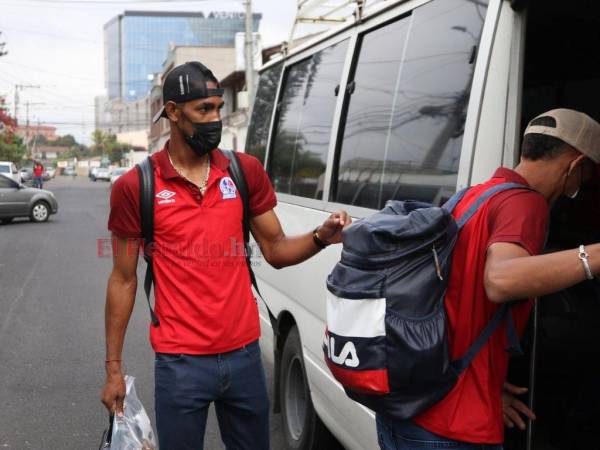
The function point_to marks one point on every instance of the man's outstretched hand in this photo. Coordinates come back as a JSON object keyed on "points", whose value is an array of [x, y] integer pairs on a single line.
{"points": [[513, 408], [331, 230]]}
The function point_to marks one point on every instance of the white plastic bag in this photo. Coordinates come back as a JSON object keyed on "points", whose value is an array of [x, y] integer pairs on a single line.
{"points": [[133, 431]]}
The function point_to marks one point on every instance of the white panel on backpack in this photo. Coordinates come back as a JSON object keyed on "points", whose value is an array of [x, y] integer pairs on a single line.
{"points": [[363, 318]]}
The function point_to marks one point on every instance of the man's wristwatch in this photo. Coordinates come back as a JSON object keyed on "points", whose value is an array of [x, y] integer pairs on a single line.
{"points": [[318, 241]]}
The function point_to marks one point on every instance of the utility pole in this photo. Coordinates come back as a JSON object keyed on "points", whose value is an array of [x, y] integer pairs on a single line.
{"points": [[82, 131], [20, 87], [249, 52], [35, 139], [27, 104]]}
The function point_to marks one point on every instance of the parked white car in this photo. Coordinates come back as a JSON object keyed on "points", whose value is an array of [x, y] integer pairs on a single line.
{"points": [[102, 173], [9, 169], [49, 173]]}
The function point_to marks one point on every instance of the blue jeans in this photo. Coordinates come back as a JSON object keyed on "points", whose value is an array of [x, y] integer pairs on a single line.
{"points": [[39, 182], [405, 435], [187, 384]]}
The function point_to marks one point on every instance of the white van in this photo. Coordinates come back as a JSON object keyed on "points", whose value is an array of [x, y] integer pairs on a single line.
{"points": [[414, 101], [9, 169]]}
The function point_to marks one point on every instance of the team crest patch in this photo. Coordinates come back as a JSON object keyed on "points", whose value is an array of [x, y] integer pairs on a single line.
{"points": [[228, 188]]}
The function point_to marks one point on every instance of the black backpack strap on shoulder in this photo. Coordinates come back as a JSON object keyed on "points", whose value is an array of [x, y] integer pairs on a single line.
{"points": [[146, 178], [239, 179]]}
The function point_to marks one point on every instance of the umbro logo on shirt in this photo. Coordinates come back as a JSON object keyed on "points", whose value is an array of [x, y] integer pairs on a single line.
{"points": [[165, 196]]}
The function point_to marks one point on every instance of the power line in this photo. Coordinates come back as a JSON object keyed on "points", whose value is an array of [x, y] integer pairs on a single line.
{"points": [[116, 2], [125, 46], [58, 36]]}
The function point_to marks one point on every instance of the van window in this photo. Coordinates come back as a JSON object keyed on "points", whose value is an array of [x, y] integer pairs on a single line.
{"points": [[4, 169], [405, 120], [305, 117], [258, 131]]}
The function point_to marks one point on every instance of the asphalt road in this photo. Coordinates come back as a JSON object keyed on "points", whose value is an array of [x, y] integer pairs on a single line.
{"points": [[52, 288]]}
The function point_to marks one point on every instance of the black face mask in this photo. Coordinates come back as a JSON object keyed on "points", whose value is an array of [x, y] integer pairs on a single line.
{"points": [[206, 137]]}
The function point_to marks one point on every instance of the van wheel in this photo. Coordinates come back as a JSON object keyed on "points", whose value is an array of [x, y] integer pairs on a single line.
{"points": [[39, 212], [302, 428]]}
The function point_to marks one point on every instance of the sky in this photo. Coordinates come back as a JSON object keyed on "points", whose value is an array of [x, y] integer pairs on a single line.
{"points": [[58, 46]]}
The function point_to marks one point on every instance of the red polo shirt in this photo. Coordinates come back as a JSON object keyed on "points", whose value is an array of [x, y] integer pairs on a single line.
{"points": [[204, 299], [472, 411]]}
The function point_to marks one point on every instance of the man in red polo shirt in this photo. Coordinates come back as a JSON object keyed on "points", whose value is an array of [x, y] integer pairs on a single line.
{"points": [[206, 342], [38, 175], [494, 261]]}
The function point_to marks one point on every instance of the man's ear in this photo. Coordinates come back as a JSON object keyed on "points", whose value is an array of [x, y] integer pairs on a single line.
{"points": [[578, 161], [172, 111]]}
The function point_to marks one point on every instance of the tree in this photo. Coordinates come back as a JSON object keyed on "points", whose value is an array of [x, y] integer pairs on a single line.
{"points": [[62, 141], [107, 144], [11, 148], [98, 139], [11, 145]]}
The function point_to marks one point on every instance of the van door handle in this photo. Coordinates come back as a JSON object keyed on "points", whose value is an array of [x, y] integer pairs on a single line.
{"points": [[473, 56], [337, 90], [351, 87]]}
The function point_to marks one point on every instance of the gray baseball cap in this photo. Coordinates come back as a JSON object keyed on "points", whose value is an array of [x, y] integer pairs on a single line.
{"points": [[575, 128]]}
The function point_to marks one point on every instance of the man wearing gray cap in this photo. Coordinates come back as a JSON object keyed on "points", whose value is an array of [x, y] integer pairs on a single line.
{"points": [[497, 260]]}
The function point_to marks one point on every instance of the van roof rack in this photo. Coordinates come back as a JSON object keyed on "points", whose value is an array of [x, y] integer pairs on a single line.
{"points": [[329, 12]]}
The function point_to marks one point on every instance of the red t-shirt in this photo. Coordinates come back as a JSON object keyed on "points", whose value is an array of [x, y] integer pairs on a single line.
{"points": [[204, 299], [472, 411], [38, 171]]}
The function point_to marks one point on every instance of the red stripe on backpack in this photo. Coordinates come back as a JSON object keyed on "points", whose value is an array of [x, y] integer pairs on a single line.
{"points": [[374, 382]]}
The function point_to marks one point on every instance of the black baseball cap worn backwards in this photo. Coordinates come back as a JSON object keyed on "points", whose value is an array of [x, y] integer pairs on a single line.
{"points": [[187, 82]]}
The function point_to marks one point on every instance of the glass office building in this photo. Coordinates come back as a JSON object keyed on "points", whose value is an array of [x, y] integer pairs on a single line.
{"points": [[136, 44]]}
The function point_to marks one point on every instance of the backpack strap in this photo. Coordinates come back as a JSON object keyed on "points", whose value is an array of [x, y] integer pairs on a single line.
{"points": [[451, 204], [462, 221], [462, 363], [239, 179], [505, 310], [514, 346], [146, 179]]}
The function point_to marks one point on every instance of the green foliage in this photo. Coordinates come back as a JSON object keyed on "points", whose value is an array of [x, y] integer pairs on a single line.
{"points": [[11, 146], [107, 145], [62, 141]]}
